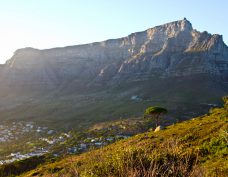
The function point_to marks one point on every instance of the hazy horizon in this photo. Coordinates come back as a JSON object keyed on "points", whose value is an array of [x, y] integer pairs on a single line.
{"points": [[49, 24]]}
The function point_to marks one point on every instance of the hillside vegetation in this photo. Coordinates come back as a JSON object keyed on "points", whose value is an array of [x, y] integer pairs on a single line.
{"points": [[197, 147]]}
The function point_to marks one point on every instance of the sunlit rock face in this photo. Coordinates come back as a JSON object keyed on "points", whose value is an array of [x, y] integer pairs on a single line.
{"points": [[171, 50]]}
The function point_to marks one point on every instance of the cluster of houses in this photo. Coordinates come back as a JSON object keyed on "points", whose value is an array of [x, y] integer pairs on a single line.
{"points": [[51, 138], [54, 140], [13, 131], [79, 147], [89, 143], [10, 132], [39, 150], [18, 156]]}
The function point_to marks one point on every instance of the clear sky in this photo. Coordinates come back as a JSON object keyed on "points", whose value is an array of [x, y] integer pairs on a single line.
{"points": [[55, 23]]}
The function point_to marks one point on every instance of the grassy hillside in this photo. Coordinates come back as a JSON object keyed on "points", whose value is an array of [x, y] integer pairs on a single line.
{"points": [[197, 147]]}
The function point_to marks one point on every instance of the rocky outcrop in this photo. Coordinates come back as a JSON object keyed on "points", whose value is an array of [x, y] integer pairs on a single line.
{"points": [[171, 50]]}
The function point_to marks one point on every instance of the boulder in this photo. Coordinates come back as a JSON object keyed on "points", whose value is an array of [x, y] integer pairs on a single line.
{"points": [[158, 128]]}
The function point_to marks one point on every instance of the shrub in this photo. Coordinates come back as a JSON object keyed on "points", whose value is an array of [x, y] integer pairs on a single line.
{"points": [[216, 146]]}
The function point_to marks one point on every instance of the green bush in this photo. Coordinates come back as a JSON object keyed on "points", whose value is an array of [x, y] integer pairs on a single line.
{"points": [[215, 147]]}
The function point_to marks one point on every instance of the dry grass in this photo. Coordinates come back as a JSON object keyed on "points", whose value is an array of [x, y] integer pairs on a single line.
{"points": [[168, 161]]}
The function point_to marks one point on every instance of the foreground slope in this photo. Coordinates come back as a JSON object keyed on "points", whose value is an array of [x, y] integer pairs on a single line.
{"points": [[78, 84], [196, 147]]}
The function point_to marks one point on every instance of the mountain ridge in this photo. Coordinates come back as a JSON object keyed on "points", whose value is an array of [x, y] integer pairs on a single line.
{"points": [[168, 62], [146, 51]]}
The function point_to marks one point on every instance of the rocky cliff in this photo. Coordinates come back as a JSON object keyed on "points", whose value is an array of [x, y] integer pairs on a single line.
{"points": [[170, 50]]}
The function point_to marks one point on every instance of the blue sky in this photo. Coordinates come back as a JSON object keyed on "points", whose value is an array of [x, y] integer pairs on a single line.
{"points": [[55, 23]]}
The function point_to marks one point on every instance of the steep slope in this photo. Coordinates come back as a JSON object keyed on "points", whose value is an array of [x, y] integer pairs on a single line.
{"points": [[168, 62], [197, 147]]}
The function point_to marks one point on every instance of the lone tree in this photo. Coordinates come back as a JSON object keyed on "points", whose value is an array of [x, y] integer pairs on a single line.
{"points": [[155, 113], [225, 100]]}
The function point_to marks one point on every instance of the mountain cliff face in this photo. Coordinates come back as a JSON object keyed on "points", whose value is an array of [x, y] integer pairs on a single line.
{"points": [[166, 54], [169, 50]]}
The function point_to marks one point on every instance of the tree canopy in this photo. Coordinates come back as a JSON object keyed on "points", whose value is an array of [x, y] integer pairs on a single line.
{"points": [[225, 100], [155, 110], [154, 113]]}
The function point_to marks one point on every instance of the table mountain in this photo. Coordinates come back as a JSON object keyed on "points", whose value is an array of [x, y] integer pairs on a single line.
{"points": [[167, 62]]}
